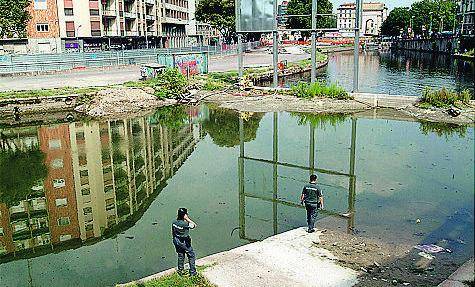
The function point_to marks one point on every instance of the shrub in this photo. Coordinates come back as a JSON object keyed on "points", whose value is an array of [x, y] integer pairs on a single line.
{"points": [[169, 84], [444, 97], [319, 89], [213, 85]]}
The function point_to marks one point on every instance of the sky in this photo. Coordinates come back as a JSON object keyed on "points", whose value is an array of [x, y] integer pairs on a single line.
{"points": [[389, 3]]}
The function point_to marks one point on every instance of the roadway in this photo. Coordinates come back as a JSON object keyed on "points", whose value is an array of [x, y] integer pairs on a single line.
{"points": [[120, 74]]}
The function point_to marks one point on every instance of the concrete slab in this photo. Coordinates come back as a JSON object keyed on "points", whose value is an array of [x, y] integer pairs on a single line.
{"points": [[288, 259], [463, 273]]}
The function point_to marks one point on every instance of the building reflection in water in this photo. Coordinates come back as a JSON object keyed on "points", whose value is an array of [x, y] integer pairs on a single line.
{"points": [[101, 177], [275, 164]]}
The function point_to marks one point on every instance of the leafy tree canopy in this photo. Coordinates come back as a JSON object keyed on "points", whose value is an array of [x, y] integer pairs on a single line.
{"points": [[220, 14], [14, 18], [304, 7], [443, 16], [19, 172]]}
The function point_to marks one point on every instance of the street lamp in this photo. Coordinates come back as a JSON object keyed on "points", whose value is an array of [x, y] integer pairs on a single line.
{"points": [[430, 25], [77, 36], [146, 34], [411, 24]]}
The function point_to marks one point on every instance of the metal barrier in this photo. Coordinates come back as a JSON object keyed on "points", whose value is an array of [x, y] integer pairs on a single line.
{"points": [[12, 64]]}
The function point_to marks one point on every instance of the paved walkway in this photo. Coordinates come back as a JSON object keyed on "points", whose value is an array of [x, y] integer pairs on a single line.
{"points": [[119, 75], [290, 259]]}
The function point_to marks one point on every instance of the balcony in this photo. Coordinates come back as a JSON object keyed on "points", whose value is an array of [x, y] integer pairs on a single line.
{"points": [[150, 2], [111, 33], [130, 15], [109, 13], [150, 17], [171, 20], [131, 33]]}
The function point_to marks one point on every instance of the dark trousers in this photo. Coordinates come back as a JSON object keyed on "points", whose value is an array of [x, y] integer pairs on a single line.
{"points": [[311, 215], [182, 247]]}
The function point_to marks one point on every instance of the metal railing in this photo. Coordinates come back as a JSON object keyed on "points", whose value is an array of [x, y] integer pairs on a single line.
{"points": [[13, 64]]}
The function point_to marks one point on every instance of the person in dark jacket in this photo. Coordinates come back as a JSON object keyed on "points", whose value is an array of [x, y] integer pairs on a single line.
{"points": [[182, 240], [312, 197]]}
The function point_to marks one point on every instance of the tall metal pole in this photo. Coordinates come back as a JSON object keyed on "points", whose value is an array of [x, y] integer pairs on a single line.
{"points": [[239, 35], [242, 198], [275, 174], [275, 47], [314, 41], [359, 8]]}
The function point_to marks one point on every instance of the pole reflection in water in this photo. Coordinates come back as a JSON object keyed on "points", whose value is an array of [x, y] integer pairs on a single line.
{"points": [[348, 215]]}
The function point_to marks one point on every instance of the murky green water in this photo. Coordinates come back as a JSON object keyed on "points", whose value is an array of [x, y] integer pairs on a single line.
{"points": [[90, 203]]}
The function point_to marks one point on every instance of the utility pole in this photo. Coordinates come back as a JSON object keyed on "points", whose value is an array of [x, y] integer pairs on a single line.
{"points": [[275, 47], [239, 35], [314, 41], [359, 10]]}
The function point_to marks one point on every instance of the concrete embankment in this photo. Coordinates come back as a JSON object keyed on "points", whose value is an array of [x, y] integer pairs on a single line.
{"points": [[290, 259], [461, 277]]}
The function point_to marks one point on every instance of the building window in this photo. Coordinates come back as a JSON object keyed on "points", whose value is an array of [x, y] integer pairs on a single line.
{"points": [[65, 237], [85, 191], [89, 227], [61, 202], [94, 12], [87, 210], [57, 163], [63, 221], [54, 144], [68, 11], [40, 5], [44, 27], [59, 183]]}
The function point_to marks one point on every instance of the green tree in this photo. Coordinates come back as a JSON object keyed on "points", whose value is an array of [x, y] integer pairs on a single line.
{"points": [[398, 19], [220, 14], [223, 127], [304, 7], [14, 18], [443, 16], [19, 172]]}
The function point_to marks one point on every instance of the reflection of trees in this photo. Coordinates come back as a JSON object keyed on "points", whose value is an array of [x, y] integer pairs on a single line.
{"points": [[223, 127], [442, 129], [320, 120], [20, 170], [170, 116]]}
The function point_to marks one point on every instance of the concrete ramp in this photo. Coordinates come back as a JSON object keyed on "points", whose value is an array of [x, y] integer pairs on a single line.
{"points": [[290, 259]]}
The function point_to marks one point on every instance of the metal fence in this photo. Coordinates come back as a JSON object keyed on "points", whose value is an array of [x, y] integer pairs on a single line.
{"points": [[12, 64]]}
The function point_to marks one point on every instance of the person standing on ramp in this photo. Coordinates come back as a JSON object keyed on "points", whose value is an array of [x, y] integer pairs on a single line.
{"points": [[312, 197], [182, 240]]}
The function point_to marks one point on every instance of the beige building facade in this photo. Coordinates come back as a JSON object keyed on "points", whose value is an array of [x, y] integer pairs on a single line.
{"points": [[373, 16]]}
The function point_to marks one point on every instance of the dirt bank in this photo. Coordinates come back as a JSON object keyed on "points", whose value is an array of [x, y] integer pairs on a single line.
{"points": [[263, 101], [267, 101], [120, 101]]}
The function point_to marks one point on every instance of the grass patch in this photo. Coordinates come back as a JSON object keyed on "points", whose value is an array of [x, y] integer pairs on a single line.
{"points": [[226, 77], [175, 280], [470, 53], [319, 89], [48, 92], [444, 98]]}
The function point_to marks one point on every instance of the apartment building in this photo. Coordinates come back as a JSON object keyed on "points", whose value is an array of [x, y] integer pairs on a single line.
{"points": [[373, 16], [90, 25], [466, 17]]}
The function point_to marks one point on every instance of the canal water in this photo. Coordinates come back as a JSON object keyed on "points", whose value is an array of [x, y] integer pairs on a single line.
{"points": [[397, 73], [90, 203]]}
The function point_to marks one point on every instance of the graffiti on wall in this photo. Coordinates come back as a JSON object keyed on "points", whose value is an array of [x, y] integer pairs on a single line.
{"points": [[192, 64]]}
